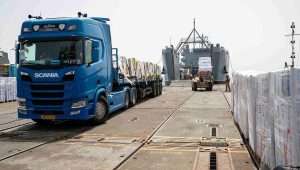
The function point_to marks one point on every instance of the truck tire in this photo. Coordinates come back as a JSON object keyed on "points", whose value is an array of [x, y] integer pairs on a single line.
{"points": [[159, 89], [133, 97], [154, 90], [210, 88], [194, 87], [126, 100], [101, 113]]}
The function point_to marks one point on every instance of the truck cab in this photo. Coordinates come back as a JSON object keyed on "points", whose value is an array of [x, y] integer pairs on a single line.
{"points": [[68, 70]]}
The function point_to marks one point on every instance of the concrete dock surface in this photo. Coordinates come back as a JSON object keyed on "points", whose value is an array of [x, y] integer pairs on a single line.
{"points": [[180, 129]]}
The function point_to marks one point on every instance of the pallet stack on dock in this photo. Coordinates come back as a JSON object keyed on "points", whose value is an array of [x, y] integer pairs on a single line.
{"points": [[267, 109], [8, 73], [8, 89]]}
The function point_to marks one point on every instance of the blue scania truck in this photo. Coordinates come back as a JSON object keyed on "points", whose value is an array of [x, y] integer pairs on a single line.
{"points": [[68, 70]]}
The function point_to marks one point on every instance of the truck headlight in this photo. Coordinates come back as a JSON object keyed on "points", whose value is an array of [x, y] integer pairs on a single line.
{"points": [[72, 28], [79, 104], [21, 102], [24, 74], [27, 29]]}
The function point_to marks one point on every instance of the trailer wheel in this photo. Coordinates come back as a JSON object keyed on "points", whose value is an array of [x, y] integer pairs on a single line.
{"points": [[126, 100], [101, 113], [159, 89], [133, 97], [194, 87], [156, 89], [210, 88], [153, 94]]}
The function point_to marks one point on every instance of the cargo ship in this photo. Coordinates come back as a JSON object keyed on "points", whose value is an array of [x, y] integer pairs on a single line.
{"points": [[181, 62]]}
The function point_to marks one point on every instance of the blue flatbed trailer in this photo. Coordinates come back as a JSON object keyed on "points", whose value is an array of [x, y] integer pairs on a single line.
{"points": [[68, 70]]}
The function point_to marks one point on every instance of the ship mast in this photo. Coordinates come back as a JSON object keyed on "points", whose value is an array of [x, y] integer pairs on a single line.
{"points": [[293, 55]]}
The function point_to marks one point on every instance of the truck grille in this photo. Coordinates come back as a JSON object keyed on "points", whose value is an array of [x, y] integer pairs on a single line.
{"points": [[47, 102], [49, 112], [47, 87], [50, 94]]}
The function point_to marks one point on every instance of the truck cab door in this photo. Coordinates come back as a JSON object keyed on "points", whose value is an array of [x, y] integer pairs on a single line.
{"points": [[95, 66]]}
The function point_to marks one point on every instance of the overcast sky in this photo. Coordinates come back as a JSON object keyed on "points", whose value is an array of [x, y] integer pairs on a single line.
{"points": [[252, 30]]}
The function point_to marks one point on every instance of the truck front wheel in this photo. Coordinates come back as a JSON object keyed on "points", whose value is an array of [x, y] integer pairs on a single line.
{"points": [[101, 112], [160, 89]]}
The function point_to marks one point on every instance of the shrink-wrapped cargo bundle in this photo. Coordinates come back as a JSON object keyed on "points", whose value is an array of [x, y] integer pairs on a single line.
{"points": [[287, 129], [243, 107], [146, 72], [2, 89], [295, 121], [265, 120], [123, 64], [273, 108], [141, 70], [261, 109], [7, 89], [236, 94], [295, 124], [268, 157], [251, 98], [11, 89], [282, 118]]}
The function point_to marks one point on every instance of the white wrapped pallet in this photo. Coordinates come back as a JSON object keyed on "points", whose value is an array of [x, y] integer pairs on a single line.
{"points": [[265, 120], [141, 70], [236, 94], [11, 89], [232, 85], [240, 99], [282, 135], [243, 106], [294, 130], [286, 131], [124, 66], [273, 108], [261, 109], [268, 150], [2, 89], [7, 89], [251, 98]]}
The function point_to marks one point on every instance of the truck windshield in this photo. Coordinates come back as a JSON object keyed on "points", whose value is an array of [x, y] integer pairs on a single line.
{"points": [[51, 53]]}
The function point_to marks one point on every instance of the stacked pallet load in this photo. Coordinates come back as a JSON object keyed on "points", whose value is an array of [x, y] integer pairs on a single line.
{"points": [[8, 89], [131, 67], [267, 109]]}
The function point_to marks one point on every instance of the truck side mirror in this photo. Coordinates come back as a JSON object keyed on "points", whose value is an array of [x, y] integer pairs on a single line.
{"points": [[17, 57], [95, 51]]}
